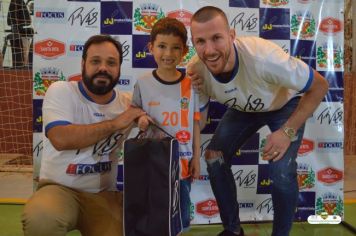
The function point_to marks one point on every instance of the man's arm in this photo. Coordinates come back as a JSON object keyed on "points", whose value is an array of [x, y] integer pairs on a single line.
{"points": [[72, 136], [278, 141]]}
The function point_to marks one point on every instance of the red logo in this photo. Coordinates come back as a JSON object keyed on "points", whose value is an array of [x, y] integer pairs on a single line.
{"points": [[330, 175], [50, 48], [183, 136], [77, 77], [207, 208], [330, 25], [306, 147], [182, 15]]}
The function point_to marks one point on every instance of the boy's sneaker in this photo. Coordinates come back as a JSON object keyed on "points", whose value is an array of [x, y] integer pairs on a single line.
{"points": [[229, 233]]}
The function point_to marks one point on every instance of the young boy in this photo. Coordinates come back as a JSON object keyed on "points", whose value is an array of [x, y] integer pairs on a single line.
{"points": [[167, 96]]}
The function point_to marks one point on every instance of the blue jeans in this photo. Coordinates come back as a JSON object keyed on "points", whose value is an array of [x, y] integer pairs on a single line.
{"points": [[185, 186], [237, 127]]}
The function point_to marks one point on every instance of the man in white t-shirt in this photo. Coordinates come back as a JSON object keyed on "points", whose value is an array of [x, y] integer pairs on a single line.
{"points": [[261, 85], [84, 123]]}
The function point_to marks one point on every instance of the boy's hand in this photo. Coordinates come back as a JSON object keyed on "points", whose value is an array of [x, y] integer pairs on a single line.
{"points": [[194, 168], [144, 122]]}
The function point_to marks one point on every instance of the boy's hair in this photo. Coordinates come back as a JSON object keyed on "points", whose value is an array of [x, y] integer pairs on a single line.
{"points": [[169, 26], [207, 13], [102, 38]]}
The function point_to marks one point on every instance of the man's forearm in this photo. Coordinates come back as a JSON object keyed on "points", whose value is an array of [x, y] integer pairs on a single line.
{"points": [[73, 136]]}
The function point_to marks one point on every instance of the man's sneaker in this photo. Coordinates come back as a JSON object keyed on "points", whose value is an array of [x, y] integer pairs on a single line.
{"points": [[229, 233]]}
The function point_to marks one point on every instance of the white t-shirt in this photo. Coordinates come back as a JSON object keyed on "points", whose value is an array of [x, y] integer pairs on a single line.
{"points": [[90, 169], [171, 105], [265, 77]]}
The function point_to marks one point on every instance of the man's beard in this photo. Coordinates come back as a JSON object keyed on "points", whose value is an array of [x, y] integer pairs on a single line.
{"points": [[99, 88]]}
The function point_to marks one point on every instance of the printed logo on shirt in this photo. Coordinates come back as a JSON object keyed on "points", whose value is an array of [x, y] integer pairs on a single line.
{"points": [[153, 103], [183, 136], [98, 114], [82, 169], [184, 103]]}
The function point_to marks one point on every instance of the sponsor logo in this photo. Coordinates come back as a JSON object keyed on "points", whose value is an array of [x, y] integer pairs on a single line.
{"points": [[265, 206], [105, 147], [124, 82], [331, 117], [191, 52], [116, 18], [50, 48], [146, 16], [76, 77], [184, 103], [125, 49], [98, 114], [330, 25], [153, 103], [208, 208], [82, 17], [331, 145], [230, 90], [275, 3], [204, 177], [246, 23], [305, 176], [49, 14], [184, 154], [76, 47], [306, 147], [183, 136], [330, 175], [330, 203], [330, 56], [182, 15], [246, 205], [303, 25], [81, 169], [45, 77], [244, 179], [324, 218]]}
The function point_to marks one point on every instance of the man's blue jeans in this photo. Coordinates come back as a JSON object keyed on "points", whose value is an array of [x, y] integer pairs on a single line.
{"points": [[233, 130]]}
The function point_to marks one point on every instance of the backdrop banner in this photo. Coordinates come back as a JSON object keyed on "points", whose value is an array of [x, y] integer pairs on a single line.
{"points": [[311, 30]]}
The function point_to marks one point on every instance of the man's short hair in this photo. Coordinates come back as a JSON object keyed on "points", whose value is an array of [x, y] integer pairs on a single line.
{"points": [[168, 26], [207, 13], [101, 38]]}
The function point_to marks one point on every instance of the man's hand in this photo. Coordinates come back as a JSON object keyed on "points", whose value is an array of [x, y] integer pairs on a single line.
{"points": [[127, 117], [277, 144], [197, 80], [144, 122]]}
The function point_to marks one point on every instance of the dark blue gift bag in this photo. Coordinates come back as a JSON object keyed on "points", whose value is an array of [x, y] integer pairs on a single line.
{"points": [[151, 187]]}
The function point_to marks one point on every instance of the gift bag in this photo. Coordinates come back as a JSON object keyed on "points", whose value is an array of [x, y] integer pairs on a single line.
{"points": [[151, 187]]}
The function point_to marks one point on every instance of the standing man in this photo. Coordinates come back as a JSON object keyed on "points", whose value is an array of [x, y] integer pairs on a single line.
{"points": [[84, 123], [261, 85]]}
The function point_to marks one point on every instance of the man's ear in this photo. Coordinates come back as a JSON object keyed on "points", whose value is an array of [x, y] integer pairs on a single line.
{"points": [[232, 34]]}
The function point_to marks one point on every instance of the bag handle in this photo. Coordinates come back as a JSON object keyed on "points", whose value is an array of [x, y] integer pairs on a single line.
{"points": [[161, 129], [153, 124]]}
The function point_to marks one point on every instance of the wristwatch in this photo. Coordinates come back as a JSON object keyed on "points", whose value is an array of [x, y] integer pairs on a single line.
{"points": [[290, 132]]}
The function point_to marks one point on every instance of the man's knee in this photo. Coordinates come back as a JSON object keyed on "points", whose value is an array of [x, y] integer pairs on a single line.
{"points": [[39, 221], [211, 155]]}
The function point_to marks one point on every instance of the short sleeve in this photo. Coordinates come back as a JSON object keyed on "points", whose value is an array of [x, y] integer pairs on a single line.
{"points": [[285, 70], [136, 97], [58, 107]]}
